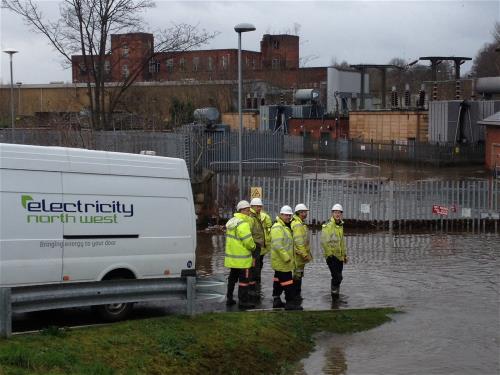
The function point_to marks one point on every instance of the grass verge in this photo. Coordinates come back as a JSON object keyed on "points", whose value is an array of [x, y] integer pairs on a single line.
{"points": [[221, 343]]}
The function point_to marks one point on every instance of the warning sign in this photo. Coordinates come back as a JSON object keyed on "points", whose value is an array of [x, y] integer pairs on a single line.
{"points": [[256, 192], [440, 210]]}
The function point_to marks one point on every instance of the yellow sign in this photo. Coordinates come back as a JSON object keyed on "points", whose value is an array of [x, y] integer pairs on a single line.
{"points": [[256, 192]]}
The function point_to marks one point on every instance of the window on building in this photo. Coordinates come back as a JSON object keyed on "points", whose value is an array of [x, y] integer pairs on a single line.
{"points": [[182, 64], [83, 68], [170, 65], [125, 50], [224, 63], [254, 64], [154, 66], [276, 63], [210, 65], [276, 44], [196, 63], [125, 72], [107, 67]]}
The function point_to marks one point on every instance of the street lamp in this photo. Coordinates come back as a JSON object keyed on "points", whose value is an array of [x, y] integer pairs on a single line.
{"points": [[19, 84], [241, 28], [10, 52]]}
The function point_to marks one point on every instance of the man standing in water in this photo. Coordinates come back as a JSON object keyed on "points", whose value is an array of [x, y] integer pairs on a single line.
{"points": [[301, 246], [334, 247], [259, 213], [282, 260], [261, 226], [239, 247]]}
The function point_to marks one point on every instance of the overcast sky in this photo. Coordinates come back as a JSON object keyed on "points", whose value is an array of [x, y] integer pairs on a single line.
{"points": [[356, 31]]}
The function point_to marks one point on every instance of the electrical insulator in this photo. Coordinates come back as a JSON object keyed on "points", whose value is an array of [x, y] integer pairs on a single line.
{"points": [[421, 99], [394, 98], [457, 90], [407, 96], [434, 91]]}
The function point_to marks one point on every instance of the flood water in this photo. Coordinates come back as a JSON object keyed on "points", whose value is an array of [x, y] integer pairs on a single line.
{"points": [[447, 285]]}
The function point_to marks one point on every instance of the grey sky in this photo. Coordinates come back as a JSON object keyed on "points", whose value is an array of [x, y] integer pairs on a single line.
{"points": [[355, 31]]}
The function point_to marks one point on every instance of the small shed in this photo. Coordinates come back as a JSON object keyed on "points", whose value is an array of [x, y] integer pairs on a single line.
{"points": [[492, 142]]}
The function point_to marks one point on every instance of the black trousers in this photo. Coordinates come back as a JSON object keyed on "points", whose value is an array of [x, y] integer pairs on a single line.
{"points": [[283, 281], [256, 266], [243, 276], [336, 266]]}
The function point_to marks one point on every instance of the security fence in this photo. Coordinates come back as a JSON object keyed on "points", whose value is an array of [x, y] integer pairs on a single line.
{"points": [[219, 150], [198, 147], [164, 144], [377, 201], [410, 151]]}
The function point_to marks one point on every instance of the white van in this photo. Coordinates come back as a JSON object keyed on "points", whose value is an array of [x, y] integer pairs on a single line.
{"points": [[74, 215]]}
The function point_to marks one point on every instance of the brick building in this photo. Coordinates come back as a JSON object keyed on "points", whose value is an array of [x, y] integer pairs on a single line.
{"points": [[277, 63], [492, 142]]}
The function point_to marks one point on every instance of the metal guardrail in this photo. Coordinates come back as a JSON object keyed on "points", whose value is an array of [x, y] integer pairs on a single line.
{"points": [[54, 296]]}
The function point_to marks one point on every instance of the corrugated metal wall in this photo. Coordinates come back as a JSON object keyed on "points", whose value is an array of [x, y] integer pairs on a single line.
{"points": [[443, 118]]}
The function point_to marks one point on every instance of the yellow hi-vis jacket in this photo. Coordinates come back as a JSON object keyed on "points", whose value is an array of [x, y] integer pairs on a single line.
{"points": [[267, 223], [239, 242], [282, 257], [333, 241], [301, 242], [257, 228]]}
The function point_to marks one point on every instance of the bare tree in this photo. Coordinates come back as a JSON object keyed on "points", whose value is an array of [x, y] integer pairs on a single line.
{"points": [[85, 27], [342, 65], [487, 61]]}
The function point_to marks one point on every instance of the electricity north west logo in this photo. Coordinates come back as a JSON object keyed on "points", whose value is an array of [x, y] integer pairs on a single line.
{"points": [[44, 211]]}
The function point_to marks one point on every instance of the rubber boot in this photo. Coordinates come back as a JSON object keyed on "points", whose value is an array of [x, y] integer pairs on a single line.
{"points": [[253, 294], [278, 303], [292, 302], [298, 290], [229, 295], [335, 290], [243, 299], [293, 305]]}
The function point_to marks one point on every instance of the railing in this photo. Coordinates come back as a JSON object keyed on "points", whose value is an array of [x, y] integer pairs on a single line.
{"points": [[370, 200], [55, 296]]}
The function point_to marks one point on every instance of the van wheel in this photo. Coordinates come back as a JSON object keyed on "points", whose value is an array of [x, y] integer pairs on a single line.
{"points": [[114, 312]]}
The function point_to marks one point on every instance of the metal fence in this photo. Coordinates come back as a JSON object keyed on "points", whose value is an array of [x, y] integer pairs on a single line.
{"points": [[219, 151], [198, 147], [164, 144], [370, 200], [411, 152]]}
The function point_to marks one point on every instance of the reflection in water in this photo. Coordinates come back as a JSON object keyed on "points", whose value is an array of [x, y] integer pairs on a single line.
{"points": [[327, 358], [447, 285]]}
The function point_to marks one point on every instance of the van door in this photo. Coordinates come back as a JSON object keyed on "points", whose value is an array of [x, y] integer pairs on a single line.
{"points": [[31, 227]]}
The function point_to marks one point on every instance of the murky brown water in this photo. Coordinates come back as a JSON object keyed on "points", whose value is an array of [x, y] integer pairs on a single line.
{"points": [[447, 285]]}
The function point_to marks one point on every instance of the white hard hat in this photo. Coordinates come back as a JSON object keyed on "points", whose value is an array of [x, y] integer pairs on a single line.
{"points": [[241, 205], [301, 207], [256, 202], [337, 207], [287, 210]]}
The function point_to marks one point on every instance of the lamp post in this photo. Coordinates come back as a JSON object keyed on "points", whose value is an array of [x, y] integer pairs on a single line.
{"points": [[19, 84], [10, 52], [241, 28]]}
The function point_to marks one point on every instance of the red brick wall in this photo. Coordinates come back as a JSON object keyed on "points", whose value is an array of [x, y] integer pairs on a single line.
{"points": [[492, 146], [140, 47], [194, 65], [284, 48], [296, 126]]}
